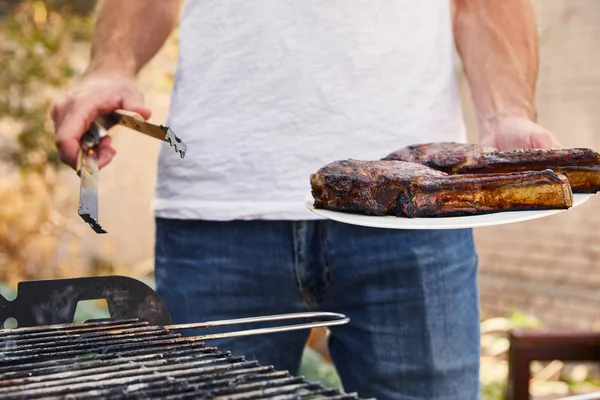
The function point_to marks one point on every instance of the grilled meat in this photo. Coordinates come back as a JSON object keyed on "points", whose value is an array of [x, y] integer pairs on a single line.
{"points": [[408, 189], [368, 187], [443, 156], [582, 166]]}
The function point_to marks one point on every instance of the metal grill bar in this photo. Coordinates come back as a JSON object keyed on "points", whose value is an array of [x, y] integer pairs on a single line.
{"points": [[92, 361], [40, 337], [130, 360], [52, 344], [84, 348], [197, 383], [21, 332], [118, 378], [82, 375]]}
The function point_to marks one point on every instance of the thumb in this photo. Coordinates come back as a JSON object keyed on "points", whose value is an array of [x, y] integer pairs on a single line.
{"points": [[135, 102]]}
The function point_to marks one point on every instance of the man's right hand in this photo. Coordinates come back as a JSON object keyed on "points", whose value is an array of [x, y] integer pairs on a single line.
{"points": [[96, 94]]}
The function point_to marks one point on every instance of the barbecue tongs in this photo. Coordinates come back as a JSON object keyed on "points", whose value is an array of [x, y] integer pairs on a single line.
{"points": [[87, 167]]}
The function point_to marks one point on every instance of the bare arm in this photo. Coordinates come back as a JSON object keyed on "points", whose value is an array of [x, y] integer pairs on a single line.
{"points": [[498, 44], [127, 35]]}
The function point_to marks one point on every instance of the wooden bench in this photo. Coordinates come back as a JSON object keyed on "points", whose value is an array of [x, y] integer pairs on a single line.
{"points": [[533, 345]]}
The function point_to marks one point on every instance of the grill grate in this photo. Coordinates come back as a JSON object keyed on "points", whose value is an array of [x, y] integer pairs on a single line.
{"points": [[130, 359]]}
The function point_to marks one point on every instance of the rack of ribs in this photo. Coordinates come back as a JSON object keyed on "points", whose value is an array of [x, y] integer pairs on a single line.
{"points": [[414, 190], [581, 165]]}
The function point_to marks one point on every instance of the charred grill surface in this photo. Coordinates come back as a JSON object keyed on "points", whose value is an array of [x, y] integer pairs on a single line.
{"points": [[130, 359], [582, 166], [414, 190]]}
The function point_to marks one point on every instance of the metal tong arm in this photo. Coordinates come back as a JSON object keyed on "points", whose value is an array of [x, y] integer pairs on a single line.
{"points": [[93, 135], [331, 319], [89, 141]]}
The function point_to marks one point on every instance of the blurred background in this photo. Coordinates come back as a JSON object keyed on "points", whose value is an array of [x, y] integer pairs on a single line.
{"points": [[539, 274]]}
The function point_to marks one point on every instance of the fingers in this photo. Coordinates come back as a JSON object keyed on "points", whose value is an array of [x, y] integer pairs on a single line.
{"points": [[73, 118], [519, 133], [544, 140], [105, 152], [135, 103], [74, 114]]}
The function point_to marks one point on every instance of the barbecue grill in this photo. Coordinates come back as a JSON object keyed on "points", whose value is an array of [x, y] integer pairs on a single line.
{"points": [[137, 353]]}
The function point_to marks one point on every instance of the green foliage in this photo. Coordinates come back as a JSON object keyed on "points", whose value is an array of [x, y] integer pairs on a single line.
{"points": [[35, 44], [91, 309], [8, 292], [77, 7], [315, 369], [521, 320], [39, 42], [493, 391]]}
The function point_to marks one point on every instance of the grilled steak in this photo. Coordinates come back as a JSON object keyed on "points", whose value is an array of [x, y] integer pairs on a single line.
{"points": [[582, 166], [443, 156], [408, 189]]}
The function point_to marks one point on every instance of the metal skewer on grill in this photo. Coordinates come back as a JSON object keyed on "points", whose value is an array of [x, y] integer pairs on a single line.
{"points": [[87, 167], [328, 319]]}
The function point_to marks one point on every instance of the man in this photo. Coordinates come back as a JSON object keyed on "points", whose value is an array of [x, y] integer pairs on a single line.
{"points": [[266, 93]]}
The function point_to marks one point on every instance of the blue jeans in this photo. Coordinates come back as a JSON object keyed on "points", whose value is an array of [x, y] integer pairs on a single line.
{"points": [[411, 295]]}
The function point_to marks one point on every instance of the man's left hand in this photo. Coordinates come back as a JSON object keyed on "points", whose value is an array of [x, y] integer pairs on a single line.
{"points": [[517, 133]]}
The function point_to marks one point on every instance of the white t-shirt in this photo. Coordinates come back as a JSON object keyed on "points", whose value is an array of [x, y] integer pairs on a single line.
{"points": [[268, 91]]}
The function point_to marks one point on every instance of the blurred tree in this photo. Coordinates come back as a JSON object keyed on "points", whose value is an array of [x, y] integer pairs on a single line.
{"points": [[38, 40], [34, 58], [78, 7], [81, 7]]}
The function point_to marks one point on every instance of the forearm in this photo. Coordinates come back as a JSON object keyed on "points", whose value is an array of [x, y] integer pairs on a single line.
{"points": [[129, 33], [498, 43]]}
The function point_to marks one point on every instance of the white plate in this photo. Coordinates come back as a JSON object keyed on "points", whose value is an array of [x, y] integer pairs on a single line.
{"points": [[474, 221]]}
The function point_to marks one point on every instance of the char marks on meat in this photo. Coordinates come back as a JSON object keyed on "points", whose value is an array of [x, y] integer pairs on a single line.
{"points": [[581, 165], [368, 187], [412, 190], [443, 156]]}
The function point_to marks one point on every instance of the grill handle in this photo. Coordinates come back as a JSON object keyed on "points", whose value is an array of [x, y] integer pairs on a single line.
{"points": [[327, 319]]}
